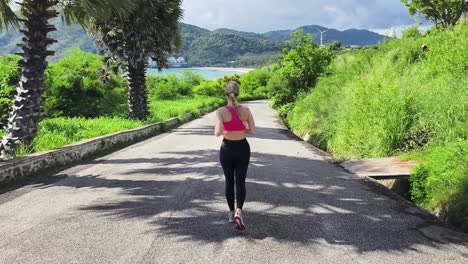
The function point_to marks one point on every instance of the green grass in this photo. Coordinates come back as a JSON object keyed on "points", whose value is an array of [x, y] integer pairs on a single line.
{"points": [[58, 132], [394, 100], [441, 182], [165, 109]]}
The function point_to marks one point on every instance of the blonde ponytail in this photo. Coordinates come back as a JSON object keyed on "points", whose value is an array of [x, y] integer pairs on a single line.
{"points": [[232, 90], [232, 97]]}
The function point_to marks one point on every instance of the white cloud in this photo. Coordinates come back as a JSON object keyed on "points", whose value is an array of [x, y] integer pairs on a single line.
{"points": [[265, 15], [397, 30]]}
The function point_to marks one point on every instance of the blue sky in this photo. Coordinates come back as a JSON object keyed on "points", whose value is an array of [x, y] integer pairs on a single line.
{"points": [[265, 15]]}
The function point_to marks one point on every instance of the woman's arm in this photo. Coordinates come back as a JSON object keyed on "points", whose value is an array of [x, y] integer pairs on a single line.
{"points": [[251, 124], [218, 124]]}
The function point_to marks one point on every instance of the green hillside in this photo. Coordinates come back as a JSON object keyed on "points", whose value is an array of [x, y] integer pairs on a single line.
{"points": [[202, 47], [241, 33], [69, 37], [399, 100], [217, 49], [225, 47], [346, 37]]}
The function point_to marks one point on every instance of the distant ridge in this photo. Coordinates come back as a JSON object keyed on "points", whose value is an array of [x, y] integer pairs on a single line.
{"points": [[202, 47], [347, 37]]}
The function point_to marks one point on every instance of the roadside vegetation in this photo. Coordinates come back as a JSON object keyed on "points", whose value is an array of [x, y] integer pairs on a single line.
{"points": [[34, 17], [78, 105], [396, 99]]}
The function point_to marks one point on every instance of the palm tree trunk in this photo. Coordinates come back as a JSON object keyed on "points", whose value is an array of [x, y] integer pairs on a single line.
{"points": [[137, 93], [26, 112]]}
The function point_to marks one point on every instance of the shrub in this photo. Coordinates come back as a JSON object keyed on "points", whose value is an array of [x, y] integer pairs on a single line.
{"points": [[418, 182], [300, 68], [188, 81], [209, 88], [9, 75], [171, 87], [74, 88], [278, 87], [162, 87], [254, 84]]}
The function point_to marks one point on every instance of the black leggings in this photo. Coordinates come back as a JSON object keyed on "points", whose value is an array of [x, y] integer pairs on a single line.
{"points": [[235, 157]]}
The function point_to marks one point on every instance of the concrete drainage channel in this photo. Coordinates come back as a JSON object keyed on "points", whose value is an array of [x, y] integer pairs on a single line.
{"points": [[392, 172], [25, 167]]}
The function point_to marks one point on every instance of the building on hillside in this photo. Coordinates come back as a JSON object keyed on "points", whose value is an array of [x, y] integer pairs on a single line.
{"points": [[173, 62]]}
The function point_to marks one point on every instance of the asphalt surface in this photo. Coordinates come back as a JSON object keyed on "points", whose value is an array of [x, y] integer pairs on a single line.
{"points": [[162, 201]]}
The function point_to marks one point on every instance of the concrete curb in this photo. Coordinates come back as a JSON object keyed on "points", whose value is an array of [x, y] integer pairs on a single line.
{"points": [[306, 139], [28, 166]]}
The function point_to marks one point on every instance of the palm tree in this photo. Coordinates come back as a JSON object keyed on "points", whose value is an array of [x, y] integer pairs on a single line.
{"points": [[26, 111], [150, 31]]}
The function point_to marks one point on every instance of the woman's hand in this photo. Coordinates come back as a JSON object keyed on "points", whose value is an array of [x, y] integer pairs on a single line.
{"points": [[250, 128]]}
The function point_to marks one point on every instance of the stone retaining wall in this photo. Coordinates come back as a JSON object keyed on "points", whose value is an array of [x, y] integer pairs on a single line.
{"points": [[33, 164]]}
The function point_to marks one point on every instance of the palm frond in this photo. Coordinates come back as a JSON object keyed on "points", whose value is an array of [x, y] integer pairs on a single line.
{"points": [[83, 11], [8, 17]]}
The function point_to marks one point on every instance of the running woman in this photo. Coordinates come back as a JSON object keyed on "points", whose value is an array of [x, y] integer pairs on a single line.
{"points": [[235, 121]]}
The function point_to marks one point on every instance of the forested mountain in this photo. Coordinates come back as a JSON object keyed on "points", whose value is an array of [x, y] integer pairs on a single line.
{"points": [[224, 46], [241, 33], [68, 37], [202, 47], [278, 35], [346, 37], [232, 47]]}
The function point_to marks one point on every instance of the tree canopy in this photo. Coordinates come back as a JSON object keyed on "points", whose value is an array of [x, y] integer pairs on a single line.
{"points": [[442, 12], [149, 31]]}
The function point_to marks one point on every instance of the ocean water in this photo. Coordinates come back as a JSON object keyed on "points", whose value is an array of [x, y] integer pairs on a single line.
{"points": [[207, 73]]}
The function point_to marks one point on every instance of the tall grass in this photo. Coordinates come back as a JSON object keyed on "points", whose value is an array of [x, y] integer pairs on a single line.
{"points": [[398, 99], [441, 182]]}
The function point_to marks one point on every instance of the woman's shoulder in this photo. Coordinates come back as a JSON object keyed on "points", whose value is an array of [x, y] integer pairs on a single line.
{"points": [[244, 107], [223, 111], [239, 107]]}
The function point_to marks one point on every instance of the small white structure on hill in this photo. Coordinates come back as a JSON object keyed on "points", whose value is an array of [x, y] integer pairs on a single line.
{"points": [[173, 62]]}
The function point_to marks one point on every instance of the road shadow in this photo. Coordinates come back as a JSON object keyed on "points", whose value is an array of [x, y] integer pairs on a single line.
{"points": [[289, 199], [262, 132]]}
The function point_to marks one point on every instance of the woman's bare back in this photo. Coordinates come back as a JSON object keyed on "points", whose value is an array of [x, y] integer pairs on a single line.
{"points": [[245, 115]]}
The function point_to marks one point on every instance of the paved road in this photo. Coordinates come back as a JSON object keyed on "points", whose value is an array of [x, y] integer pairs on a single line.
{"points": [[162, 201]]}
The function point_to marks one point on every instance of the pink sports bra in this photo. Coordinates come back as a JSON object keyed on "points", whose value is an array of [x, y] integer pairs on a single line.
{"points": [[235, 124]]}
